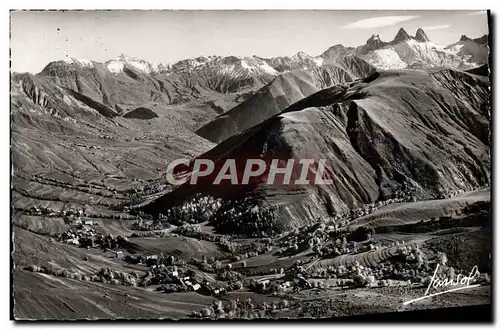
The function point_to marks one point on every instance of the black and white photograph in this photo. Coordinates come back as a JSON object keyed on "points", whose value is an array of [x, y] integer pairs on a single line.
{"points": [[250, 164]]}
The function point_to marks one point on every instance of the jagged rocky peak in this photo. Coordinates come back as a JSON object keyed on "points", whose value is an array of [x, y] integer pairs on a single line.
{"points": [[374, 40], [421, 36], [464, 38], [401, 36], [301, 55]]}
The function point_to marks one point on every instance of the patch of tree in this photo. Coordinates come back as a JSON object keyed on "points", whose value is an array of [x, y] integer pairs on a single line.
{"points": [[200, 209], [481, 207], [246, 216], [241, 309], [105, 275], [481, 218], [362, 233], [147, 225]]}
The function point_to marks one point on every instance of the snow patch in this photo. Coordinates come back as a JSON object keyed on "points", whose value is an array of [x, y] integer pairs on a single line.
{"points": [[318, 60], [455, 49], [257, 65], [414, 54], [115, 66], [268, 69], [81, 62], [386, 59]]}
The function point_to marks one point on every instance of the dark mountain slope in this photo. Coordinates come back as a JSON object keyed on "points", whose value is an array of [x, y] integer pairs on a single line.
{"points": [[280, 93], [141, 113], [482, 70], [419, 131]]}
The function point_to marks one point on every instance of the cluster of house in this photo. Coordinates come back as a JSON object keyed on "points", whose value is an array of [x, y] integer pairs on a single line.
{"points": [[42, 210], [84, 230], [294, 283], [188, 282], [203, 287], [79, 221], [86, 236], [182, 280]]}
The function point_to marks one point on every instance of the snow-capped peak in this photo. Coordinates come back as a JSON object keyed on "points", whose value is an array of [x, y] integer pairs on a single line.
{"points": [[81, 62], [260, 66], [117, 64]]}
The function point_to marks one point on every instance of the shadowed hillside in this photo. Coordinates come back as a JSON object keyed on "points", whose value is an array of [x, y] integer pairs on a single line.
{"points": [[403, 130], [283, 91]]}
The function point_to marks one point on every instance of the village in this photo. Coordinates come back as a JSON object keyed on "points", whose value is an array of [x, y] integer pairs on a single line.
{"points": [[285, 265]]}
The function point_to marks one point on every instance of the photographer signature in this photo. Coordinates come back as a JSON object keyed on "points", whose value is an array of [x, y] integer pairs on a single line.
{"points": [[436, 283]]}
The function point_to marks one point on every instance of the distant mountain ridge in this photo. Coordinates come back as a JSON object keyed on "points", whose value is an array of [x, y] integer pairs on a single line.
{"points": [[211, 86], [423, 53]]}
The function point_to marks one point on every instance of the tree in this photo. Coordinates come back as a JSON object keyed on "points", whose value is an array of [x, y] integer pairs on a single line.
{"points": [[360, 280], [206, 312], [238, 285], [218, 307], [442, 259]]}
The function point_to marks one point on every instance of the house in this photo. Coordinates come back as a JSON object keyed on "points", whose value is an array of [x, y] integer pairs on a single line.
{"points": [[88, 222], [76, 221], [119, 254], [175, 273], [302, 282], [151, 260], [264, 284], [73, 241], [196, 287], [205, 289]]}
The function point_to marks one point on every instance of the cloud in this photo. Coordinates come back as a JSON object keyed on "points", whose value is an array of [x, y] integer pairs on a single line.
{"points": [[375, 22], [436, 27], [481, 12]]}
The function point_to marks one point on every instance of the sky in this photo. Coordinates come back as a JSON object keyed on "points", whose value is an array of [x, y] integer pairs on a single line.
{"points": [[40, 37]]}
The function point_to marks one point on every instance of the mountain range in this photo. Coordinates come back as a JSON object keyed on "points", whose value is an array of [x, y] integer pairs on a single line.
{"points": [[404, 128], [354, 106], [466, 53], [217, 84]]}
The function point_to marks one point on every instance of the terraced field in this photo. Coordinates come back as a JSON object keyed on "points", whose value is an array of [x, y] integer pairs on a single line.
{"points": [[407, 213], [46, 297]]}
